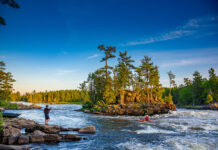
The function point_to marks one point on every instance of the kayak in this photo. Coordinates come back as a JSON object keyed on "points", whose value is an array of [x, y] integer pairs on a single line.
{"points": [[146, 121], [10, 115]]}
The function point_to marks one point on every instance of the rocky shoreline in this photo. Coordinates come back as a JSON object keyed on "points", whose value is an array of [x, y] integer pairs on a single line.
{"points": [[133, 109], [11, 136]]}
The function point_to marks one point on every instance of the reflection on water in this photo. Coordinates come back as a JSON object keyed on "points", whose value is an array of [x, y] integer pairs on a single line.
{"points": [[182, 129]]}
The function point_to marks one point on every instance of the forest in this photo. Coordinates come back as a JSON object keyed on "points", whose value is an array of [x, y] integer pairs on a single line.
{"points": [[105, 85]]}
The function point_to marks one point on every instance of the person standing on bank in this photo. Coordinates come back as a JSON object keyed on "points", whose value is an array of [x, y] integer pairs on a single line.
{"points": [[46, 112]]}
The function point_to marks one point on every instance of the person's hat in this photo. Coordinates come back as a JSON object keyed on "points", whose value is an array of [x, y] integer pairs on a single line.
{"points": [[46, 105]]}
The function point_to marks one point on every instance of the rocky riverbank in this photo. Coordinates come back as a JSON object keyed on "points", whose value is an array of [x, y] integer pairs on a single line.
{"points": [[22, 106], [36, 133], [133, 109]]}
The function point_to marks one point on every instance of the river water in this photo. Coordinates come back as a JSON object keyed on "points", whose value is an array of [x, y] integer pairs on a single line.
{"points": [[179, 130]]}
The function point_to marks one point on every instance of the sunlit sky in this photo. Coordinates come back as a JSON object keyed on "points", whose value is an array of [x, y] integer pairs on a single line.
{"points": [[52, 44]]}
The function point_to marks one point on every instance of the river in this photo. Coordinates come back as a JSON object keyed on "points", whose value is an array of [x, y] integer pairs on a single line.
{"points": [[179, 130]]}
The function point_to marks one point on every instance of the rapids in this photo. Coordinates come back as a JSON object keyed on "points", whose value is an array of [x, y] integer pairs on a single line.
{"points": [[178, 130]]}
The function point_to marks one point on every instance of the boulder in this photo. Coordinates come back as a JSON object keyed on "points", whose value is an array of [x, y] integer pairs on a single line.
{"points": [[36, 139], [23, 139], [38, 133], [12, 140], [4, 140], [89, 130], [15, 147], [5, 132], [19, 123], [70, 137], [69, 129], [52, 138], [14, 131], [50, 129]]}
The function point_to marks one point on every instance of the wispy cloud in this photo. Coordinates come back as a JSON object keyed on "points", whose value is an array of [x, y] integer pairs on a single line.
{"points": [[62, 72], [188, 62], [94, 56], [2, 57], [198, 27]]}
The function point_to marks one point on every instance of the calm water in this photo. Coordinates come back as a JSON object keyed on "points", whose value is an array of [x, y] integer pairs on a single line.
{"points": [[169, 131]]}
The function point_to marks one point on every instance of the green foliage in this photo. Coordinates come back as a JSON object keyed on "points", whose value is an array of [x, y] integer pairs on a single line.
{"points": [[61, 96], [104, 87], [169, 99], [108, 95], [8, 104], [172, 80], [1, 120], [6, 83], [12, 4], [209, 98], [88, 105], [198, 91]]}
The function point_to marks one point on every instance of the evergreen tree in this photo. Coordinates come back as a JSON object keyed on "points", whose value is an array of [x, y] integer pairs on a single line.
{"points": [[6, 82], [172, 80], [108, 55], [145, 72], [124, 70], [197, 88]]}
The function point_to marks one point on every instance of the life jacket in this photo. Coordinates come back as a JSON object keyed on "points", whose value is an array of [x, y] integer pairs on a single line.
{"points": [[46, 111]]}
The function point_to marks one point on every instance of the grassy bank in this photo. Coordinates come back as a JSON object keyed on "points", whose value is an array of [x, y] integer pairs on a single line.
{"points": [[8, 105]]}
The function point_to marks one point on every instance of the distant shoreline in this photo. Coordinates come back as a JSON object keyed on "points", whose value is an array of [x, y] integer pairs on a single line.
{"points": [[201, 107]]}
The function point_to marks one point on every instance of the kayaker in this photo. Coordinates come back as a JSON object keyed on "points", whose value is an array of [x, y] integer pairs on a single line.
{"points": [[46, 112], [146, 117]]}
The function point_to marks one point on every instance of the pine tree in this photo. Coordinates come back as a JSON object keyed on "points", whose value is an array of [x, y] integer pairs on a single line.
{"points": [[108, 55], [172, 80], [145, 71], [124, 70], [197, 88]]}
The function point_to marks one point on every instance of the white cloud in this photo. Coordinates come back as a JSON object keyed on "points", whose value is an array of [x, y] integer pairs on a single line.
{"points": [[188, 62], [64, 72], [94, 56], [194, 27]]}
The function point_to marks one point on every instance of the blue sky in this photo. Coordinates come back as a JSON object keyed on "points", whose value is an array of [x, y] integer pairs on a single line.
{"points": [[51, 45]]}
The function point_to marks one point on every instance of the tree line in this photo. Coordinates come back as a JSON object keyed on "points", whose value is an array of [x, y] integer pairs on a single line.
{"points": [[51, 97], [196, 91], [104, 85]]}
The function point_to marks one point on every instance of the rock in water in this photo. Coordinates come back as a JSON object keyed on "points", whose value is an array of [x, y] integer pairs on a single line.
{"points": [[70, 137], [38, 133], [14, 131], [15, 147], [52, 138], [36, 139], [23, 139], [12, 140], [89, 130]]}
